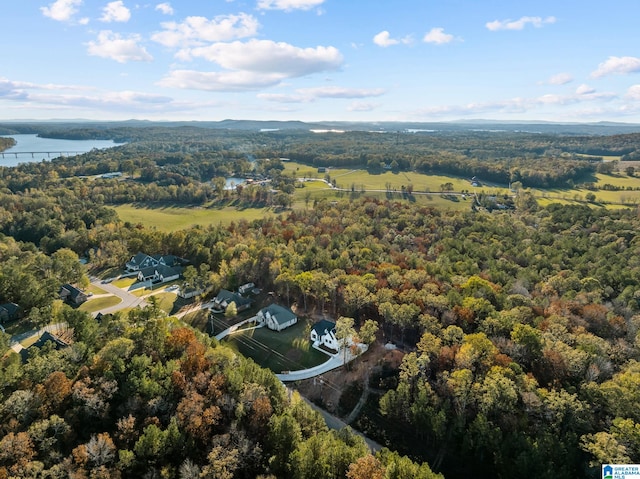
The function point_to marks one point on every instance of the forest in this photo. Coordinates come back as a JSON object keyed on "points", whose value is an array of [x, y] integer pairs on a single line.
{"points": [[519, 329], [536, 159]]}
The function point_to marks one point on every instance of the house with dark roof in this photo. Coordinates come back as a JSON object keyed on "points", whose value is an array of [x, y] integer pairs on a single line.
{"points": [[141, 261], [72, 295], [226, 297], [159, 273], [9, 312], [45, 338], [323, 333], [276, 317]]}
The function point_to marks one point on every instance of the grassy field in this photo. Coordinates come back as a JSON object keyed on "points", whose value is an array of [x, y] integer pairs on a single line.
{"points": [[166, 302], [99, 303], [124, 283], [172, 218], [287, 350], [95, 289], [197, 319]]}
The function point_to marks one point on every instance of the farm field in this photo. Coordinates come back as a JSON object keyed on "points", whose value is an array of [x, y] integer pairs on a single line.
{"points": [[173, 218]]}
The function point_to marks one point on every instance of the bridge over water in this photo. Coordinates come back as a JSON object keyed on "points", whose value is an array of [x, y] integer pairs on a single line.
{"points": [[34, 153]]}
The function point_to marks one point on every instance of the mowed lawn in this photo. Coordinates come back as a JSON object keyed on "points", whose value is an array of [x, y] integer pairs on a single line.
{"points": [[288, 350], [99, 303]]}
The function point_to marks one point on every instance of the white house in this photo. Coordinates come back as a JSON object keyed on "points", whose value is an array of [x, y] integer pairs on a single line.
{"points": [[324, 333], [276, 317], [158, 274], [142, 261]]}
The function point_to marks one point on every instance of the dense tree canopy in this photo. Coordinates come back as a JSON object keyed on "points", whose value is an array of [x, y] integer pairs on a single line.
{"points": [[519, 328]]}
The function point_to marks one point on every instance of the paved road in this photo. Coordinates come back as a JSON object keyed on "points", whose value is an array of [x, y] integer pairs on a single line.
{"points": [[128, 300]]}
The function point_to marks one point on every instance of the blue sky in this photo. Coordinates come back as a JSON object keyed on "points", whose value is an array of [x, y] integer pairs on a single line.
{"points": [[312, 60]]}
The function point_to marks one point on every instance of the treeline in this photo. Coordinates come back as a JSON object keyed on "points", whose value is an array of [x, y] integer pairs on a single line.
{"points": [[539, 160], [6, 143], [520, 329]]}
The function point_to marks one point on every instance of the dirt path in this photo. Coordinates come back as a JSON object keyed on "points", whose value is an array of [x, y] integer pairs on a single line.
{"points": [[353, 415], [334, 422]]}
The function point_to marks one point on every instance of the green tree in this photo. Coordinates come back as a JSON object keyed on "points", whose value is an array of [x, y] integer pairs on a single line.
{"points": [[231, 311], [344, 332], [368, 331]]}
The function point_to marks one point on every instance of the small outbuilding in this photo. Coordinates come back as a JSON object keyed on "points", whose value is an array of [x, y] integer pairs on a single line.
{"points": [[277, 317], [246, 288]]}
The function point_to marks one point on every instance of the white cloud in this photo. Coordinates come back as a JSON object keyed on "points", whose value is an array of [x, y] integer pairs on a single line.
{"points": [[308, 95], [61, 10], [165, 8], [515, 105], [519, 24], [584, 89], [437, 36], [219, 81], [560, 79], [196, 30], [266, 56], [633, 92], [340, 92], [51, 96], [288, 5], [383, 39], [115, 12], [6, 85], [283, 98], [112, 45], [361, 106], [617, 65]]}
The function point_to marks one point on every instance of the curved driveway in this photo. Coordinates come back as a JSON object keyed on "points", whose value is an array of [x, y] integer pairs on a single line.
{"points": [[128, 300], [335, 361]]}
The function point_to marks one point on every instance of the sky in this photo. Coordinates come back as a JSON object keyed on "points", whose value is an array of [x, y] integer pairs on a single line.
{"points": [[321, 60]]}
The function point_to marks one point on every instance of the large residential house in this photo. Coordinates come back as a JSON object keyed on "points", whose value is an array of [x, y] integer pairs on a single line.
{"points": [[276, 317], [156, 268], [142, 261], [226, 297], [46, 337], [158, 274], [323, 333], [72, 295]]}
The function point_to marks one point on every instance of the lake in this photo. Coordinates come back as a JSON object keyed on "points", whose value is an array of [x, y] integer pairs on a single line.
{"points": [[47, 148]]}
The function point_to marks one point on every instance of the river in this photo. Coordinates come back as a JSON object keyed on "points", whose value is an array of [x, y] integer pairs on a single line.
{"points": [[32, 148]]}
